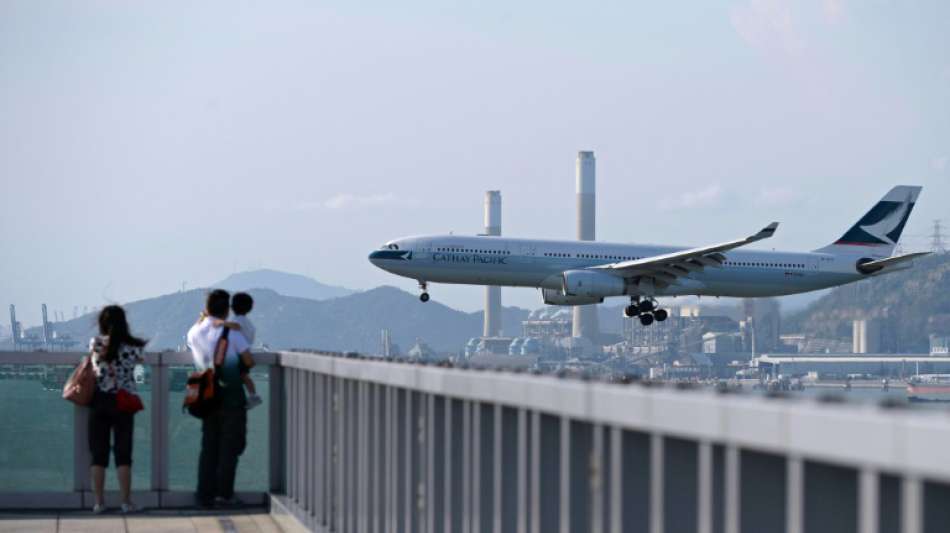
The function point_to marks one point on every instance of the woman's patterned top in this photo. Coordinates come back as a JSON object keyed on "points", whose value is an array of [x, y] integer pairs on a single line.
{"points": [[117, 374]]}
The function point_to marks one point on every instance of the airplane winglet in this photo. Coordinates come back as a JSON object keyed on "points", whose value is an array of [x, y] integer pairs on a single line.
{"points": [[765, 232]]}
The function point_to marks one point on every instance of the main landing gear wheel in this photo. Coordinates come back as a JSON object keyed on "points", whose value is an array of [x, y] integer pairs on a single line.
{"points": [[631, 311], [647, 305], [646, 319], [660, 315]]}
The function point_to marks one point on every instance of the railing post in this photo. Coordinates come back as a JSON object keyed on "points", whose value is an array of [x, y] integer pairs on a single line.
{"points": [[616, 480], [733, 482], [565, 475], [794, 495], [912, 505], [657, 472], [868, 500], [522, 476], [595, 479], [81, 458], [159, 420], [704, 512]]}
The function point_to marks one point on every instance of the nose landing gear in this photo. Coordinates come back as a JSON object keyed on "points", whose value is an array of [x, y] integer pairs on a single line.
{"points": [[424, 297]]}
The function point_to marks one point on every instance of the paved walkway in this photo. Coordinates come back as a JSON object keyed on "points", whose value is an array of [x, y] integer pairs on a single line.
{"points": [[153, 521]]}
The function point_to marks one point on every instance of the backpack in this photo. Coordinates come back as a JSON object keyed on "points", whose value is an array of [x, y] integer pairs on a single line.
{"points": [[200, 398]]}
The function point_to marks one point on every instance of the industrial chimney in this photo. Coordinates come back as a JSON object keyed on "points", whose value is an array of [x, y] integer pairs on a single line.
{"points": [[47, 331], [492, 294], [585, 316]]}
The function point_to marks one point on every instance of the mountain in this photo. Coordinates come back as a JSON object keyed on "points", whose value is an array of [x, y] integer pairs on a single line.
{"points": [[349, 323], [911, 305], [283, 283]]}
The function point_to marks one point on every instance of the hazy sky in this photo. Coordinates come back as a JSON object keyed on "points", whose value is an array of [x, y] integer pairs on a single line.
{"points": [[143, 145]]}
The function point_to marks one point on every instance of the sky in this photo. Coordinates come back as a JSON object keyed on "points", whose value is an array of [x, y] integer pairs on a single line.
{"points": [[144, 146]]}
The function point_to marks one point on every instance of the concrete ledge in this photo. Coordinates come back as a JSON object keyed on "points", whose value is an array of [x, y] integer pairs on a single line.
{"points": [[291, 518]]}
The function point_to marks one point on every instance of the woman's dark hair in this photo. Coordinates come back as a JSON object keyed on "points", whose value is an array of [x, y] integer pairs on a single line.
{"points": [[112, 323]]}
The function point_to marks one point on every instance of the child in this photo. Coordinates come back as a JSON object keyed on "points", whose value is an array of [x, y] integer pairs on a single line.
{"points": [[241, 305]]}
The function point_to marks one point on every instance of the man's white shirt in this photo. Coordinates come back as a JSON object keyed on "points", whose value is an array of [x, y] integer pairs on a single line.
{"points": [[202, 339]]}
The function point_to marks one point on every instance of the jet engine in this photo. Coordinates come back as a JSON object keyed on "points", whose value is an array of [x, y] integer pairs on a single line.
{"points": [[556, 297], [592, 284], [859, 266]]}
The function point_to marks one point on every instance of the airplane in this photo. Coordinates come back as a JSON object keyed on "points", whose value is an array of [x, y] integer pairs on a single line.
{"points": [[585, 272]]}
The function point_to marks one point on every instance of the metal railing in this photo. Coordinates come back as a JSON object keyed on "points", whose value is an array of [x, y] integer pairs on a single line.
{"points": [[366, 445], [158, 494], [397, 448]]}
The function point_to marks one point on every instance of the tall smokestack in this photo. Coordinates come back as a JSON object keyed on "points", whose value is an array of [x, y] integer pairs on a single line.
{"points": [[492, 294], [47, 333], [585, 316], [14, 328]]}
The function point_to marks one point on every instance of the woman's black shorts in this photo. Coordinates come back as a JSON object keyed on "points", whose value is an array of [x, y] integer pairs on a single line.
{"points": [[105, 419]]}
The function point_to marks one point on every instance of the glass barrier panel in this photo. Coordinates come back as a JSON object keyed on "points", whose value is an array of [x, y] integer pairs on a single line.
{"points": [[36, 439], [185, 437]]}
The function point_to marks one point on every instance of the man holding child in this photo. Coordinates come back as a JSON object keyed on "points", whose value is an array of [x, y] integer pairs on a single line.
{"points": [[224, 430]]}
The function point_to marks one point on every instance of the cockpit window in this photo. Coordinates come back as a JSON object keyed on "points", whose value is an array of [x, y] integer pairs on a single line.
{"points": [[389, 246]]}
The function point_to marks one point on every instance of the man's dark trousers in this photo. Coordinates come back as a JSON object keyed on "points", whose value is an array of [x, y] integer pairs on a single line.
{"points": [[223, 438]]}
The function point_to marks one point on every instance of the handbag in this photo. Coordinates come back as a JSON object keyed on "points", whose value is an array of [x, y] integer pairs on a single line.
{"points": [[81, 385], [200, 399], [127, 402]]}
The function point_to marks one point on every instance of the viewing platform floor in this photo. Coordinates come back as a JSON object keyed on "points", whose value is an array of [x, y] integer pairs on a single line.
{"points": [[183, 521]]}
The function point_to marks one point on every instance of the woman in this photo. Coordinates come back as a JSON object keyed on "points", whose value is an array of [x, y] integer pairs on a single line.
{"points": [[115, 352]]}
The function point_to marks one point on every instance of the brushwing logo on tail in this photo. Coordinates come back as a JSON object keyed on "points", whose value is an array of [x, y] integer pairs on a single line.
{"points": [[882, 225]]}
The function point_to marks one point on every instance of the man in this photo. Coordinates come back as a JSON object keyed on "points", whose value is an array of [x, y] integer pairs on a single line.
{"points": [[223, 431]]}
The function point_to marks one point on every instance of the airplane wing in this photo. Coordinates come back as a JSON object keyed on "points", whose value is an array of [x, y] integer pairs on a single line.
{"points": [[667, 267], [872, 267]]}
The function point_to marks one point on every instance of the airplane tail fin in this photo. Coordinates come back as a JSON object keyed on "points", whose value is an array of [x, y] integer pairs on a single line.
{"points": [[878, 231]]}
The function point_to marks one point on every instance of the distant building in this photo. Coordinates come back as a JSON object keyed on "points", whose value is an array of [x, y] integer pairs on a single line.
{"points": [[548, 324], [421, 351], [900, 365], [761, 325], [722, 342], [866, 336], [939, 345]]}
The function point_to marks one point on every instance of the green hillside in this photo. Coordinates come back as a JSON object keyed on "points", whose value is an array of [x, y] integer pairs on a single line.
{"points": [[912, 304]]}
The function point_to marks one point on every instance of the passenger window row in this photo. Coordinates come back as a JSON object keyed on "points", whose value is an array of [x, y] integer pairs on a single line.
{"points": [[592, 256], [472, 250], [764, 264]]}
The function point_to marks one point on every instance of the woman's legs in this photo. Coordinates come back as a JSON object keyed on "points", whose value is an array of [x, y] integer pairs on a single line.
{"points": [[99, 428], [125, 482], [98, 482], [123, 427]]}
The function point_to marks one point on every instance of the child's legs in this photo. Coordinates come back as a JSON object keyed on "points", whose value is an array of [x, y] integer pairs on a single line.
{"points": [[249, 384]]}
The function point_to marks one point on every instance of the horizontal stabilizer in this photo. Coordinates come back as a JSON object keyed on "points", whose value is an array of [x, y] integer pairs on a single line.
{"points": [[876, 266]]}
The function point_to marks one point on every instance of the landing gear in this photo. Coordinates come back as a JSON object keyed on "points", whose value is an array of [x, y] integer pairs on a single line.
{"points": [[424, 297], [646, 310]]}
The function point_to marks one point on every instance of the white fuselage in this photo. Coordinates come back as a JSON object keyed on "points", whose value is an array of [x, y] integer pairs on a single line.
{"points": [[505, 261]]}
